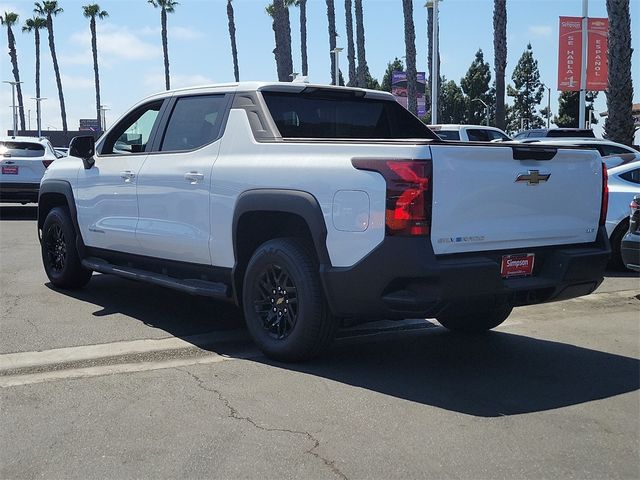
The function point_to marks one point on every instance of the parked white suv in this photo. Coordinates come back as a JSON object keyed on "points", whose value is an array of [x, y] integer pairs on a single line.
{"points": [[23, 161], [308, 204], [469, 133]]}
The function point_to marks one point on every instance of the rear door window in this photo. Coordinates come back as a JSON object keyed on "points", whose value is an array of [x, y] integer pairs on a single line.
{"points": [[21, 149], [195, 122], [448, 134], [322, 113], [477, 135]]}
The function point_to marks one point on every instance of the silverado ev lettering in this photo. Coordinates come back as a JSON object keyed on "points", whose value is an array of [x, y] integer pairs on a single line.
{"points": [[310, 205]]}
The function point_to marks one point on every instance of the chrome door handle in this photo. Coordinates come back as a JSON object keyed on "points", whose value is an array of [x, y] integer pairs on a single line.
{"points": [[193, 177], [127, 175]]}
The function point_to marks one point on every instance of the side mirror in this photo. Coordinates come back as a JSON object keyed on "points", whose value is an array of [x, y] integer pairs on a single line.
{"points": [[84, 148]]}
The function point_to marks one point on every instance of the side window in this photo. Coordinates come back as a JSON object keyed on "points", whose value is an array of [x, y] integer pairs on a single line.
{"points": [[195, 122], [133, 133], [477, 135], [611, 150], [632, 176], [495, 135]]}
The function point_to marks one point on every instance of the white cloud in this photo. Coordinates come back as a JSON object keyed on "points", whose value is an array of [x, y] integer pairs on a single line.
{"points": [[115, 43], [183, 33], [75, 82], [544, 31], [155, 81]]}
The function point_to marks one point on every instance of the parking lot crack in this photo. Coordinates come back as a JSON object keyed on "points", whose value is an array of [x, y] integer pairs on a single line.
{"points": [[235, 414]]}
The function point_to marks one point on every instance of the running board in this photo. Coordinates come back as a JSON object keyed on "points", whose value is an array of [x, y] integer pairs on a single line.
{"points": [[192, 286]]}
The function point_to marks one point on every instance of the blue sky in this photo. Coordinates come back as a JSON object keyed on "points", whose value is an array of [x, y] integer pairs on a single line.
{"points": [[131, 54]]}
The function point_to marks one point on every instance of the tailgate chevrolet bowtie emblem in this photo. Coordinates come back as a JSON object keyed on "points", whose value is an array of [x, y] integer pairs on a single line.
{"points": [[534, 177]]}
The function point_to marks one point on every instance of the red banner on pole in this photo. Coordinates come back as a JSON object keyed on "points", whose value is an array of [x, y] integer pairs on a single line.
{"points": [[597, 67], [570, 53]]}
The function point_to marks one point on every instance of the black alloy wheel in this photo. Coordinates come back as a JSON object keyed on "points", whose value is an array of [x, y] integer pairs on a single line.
{"points": [[276, 301], [60, 256], [283, 301]]}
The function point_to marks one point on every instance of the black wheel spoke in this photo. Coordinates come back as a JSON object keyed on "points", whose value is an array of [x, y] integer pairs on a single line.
{"points": [[274, 295]]}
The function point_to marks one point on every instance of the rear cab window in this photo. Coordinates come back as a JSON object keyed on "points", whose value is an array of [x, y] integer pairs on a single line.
{"points": [[325, 113], [21, 149]]}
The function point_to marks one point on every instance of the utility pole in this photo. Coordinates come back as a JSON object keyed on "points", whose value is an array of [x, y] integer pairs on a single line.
{"points": [[548, 105]]}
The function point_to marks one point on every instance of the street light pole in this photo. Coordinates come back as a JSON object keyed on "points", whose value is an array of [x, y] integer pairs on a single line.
{"points": [[548, 106], [583, 67], [13, 105], [336, 51], [103, 117], [38, 116], [435, 80], [486, 108]]}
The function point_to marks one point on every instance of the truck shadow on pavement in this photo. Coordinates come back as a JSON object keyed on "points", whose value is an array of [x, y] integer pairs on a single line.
{"points": [[491, 375]]}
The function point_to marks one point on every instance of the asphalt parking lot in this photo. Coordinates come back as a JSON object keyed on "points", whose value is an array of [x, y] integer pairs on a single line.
{"points": [[125, 380]]}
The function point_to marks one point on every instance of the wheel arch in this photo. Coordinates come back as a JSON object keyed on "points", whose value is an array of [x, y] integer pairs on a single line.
{"points": [[58, 193], [263, 214]]}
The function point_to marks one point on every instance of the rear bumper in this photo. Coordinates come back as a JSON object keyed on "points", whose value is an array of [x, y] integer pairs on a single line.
{"points": [[19, 192], [403, 278], [631, 251]]}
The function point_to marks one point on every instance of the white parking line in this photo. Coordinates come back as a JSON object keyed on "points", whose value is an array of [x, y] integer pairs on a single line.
{"points": [[12, 361], [73, 373]]}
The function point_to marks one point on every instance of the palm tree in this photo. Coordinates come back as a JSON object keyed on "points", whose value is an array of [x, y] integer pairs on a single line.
{"points": [[303, 35], [351, 49], [333, 35], [410, 46], [34, 25], [278, 10], [232, 35], [438, 80], [92, 11], [362, 69], [166, 6], [8, 20], [619, 123], [50, 9], [500, 57]]}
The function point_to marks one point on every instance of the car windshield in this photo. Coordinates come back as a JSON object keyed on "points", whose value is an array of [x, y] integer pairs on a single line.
{"points": [[21, 149]]}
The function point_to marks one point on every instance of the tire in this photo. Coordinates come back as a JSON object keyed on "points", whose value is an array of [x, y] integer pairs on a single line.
{"points": [[616, 262], [284, 306], [59, 253], [477, 321]]}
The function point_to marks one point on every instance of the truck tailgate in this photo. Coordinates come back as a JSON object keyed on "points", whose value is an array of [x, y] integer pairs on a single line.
{"points": [[513, 197]]}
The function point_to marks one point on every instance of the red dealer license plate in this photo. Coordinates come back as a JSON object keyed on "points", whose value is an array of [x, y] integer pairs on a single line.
{"points": [[520, 265], [9, 170]]}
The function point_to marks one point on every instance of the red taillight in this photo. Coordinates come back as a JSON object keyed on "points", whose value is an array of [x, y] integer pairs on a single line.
{"points": [[408, 204], [46, 163], [604, 205]]}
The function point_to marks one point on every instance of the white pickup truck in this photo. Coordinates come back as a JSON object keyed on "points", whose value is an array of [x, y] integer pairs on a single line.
{"points": [[311, 205]]}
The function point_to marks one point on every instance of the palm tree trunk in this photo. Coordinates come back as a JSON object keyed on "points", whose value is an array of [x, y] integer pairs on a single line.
{"points": [[619, 123], [303, 36], [351, 49], [16, 73], [410, 46], [282, 32], [94, 50], [500, 57], [37, 37], [56, 69], [232, 34], [362, 61], [165, 47], [331, 16]]}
